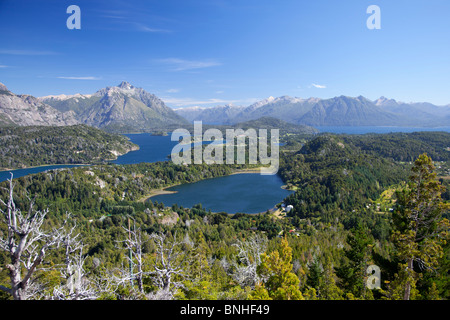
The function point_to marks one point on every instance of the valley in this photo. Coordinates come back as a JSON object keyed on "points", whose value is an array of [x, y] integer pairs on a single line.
{"points": [[336, 182], [224, 158], [333, 186]]}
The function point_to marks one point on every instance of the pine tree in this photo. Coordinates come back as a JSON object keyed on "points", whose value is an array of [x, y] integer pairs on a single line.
{"points": [[328, 290], [282, 283], [352, 271], [199, 284], [315, 272], [419, 230]]}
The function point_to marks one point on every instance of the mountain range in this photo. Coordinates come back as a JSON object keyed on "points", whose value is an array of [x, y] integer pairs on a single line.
{"points": [[337, 111], [122, 108], [26, 110], [126, 109]]}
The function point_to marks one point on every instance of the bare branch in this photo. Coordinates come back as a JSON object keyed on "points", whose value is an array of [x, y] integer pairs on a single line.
{"points": [[26, 244], [249, 254], [169, 263]]}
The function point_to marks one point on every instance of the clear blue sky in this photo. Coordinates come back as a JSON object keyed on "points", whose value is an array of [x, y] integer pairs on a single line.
{"points": [[208, 52]]}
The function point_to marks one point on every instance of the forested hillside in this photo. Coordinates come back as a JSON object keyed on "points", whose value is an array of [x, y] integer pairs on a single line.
{"points": [[22, 147], [319, 250], [333, 180], [404, 146]]}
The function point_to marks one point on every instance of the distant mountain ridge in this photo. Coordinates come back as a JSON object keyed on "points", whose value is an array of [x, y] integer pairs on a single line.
{"points": [[214, 115], [274, 123], [122, 108], [337, 111], [127, 109], [26, 110]]}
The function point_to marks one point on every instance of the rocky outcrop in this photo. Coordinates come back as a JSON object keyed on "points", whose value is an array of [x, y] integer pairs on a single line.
{"points": [[26, 110], [123, 108]]}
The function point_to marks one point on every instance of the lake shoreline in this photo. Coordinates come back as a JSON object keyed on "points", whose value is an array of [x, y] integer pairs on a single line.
{"points": [[162, 191], [271, 209], [104, 161], [47, 165], [249, 170], [157, 192]]}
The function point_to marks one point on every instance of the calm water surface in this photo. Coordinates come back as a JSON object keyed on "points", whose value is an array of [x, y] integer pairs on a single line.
{"points": [[152, 149], [250, 193], [4, 175], [157, 148], [246, 192]]}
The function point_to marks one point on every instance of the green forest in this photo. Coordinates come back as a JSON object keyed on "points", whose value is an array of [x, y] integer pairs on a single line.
{"points": [[23, 147], [369, 221]]}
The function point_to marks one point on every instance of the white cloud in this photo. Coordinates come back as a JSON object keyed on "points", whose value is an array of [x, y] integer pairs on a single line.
{"points": [[183, 65], [133, 18], [144, 28], [172, 91], [3, 66], [318, 86], [80, 78]]}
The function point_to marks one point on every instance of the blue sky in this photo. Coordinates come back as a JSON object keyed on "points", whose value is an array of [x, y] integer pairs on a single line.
{"points": [[210, 52]]}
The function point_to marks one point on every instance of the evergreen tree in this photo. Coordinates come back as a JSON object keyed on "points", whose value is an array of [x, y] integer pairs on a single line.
{"points": [[328, 290], [282, 283], [419, 230], [315, 272], [199, 283], [352, 271]]}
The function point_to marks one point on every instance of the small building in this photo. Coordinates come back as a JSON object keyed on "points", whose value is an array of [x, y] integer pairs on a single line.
{"points": [[289, 208]]}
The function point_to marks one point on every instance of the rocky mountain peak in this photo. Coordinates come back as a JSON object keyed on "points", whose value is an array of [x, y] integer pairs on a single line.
{"points": [[125, 85], [26, 110], [121, 107], [3, 87], [383, 101]]}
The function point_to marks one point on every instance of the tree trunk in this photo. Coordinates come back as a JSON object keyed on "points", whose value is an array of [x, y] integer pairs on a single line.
{"points": [[407, 293], [16, 283]]}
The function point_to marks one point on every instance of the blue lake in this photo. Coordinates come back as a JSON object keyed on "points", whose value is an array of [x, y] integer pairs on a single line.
{"points": [[157, 148], [249, 193], [4, 175], [151, 149], [246, 192]]}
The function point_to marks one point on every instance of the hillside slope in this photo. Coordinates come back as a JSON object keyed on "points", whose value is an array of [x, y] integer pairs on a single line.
{"points": [[26, 110], [123, 108], [22, 147]]}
